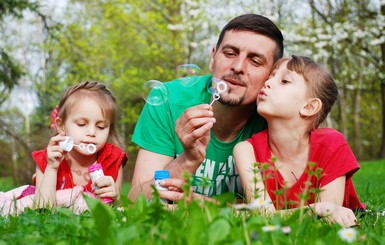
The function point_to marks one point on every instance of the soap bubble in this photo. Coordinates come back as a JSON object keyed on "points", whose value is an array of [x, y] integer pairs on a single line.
{"points": [[185, 73], [154, 92], [216, 86]]}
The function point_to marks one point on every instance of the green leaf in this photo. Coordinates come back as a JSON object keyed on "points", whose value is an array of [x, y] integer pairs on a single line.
{"points": [[218, 231]]}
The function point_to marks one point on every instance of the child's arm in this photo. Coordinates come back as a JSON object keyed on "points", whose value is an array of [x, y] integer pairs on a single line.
{"points": [[251, 178], [46, 182], [329, 203], [334, 191]]}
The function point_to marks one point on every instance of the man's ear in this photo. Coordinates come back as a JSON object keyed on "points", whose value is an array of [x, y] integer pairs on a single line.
{"points": [[313, 106], [59, 125], [211, 64]]}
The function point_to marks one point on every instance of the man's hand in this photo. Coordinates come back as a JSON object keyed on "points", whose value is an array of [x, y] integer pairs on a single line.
{"points": [[193, 130]]}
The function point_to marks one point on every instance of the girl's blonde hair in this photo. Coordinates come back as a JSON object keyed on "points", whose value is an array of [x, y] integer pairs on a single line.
{"points": [[319, 80], [101, 94]]}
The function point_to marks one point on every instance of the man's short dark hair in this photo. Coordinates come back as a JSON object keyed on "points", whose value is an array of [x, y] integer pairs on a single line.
{"points": [[258, 24]]}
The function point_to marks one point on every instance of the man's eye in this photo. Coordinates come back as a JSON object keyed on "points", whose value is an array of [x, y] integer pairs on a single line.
{"points": [[229, 54], [256, 62]]}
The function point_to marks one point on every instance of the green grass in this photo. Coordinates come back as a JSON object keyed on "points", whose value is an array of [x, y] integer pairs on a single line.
{"points": [[6, 183], [370, 184], [150, 223]]}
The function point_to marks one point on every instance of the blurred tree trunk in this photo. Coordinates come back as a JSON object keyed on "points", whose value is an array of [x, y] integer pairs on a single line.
{"points": [[17, 140], [357, 149], [382, 150]]}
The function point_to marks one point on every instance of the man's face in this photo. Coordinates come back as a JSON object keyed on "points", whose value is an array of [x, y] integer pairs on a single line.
{"points": [[244, 61]]}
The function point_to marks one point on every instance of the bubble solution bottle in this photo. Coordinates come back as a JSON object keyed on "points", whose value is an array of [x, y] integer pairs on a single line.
{"points": [[158, 176], [96, 171]]}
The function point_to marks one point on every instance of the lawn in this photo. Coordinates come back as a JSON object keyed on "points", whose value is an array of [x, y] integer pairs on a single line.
{"points": [[149, 223]]}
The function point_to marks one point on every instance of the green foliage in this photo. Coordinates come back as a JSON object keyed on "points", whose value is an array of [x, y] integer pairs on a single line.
{"points": [[123, 44], [146, 222], [10, 70], [345, 36], [15, 7]]}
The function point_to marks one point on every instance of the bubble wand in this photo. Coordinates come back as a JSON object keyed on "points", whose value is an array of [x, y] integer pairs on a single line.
{"points": [[221, 87], [68, 144]]}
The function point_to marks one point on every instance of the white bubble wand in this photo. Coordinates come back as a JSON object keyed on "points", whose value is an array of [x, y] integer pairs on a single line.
{"points": [[68, 144], [221, 87]]}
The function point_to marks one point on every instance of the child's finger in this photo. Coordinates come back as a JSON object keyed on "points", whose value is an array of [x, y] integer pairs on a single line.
{"points": [[105, 181]]}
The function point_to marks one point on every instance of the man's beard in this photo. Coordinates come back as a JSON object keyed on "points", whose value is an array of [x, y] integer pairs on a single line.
{"points": [[227, 101]]}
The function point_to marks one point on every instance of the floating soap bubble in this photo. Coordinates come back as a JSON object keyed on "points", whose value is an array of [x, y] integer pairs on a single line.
{"points": [[68, 144], [185, 73], [216, 87], [154, 92]]}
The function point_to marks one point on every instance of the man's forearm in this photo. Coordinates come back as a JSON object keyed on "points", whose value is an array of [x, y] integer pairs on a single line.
{"points": [[177, 167], [181, 165], [143, 188]]}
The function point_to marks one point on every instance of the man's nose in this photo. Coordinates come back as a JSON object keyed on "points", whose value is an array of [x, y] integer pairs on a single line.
{"points": [[239, 64]]}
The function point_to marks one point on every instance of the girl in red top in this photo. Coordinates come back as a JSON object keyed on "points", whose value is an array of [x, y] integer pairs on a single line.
{"points": [[300, 165], [87, 113]]}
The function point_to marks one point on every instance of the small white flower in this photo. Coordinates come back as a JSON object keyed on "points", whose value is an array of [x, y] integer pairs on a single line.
{"points": [[120, 209], [269, 228], [124, 219], [259, 203], [286, 229], [240, 206], [348, 234], [255, 204]]}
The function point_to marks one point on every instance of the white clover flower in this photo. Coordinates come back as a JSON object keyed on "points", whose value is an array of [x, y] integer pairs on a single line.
{"points": [[286, 229], [259, 203], [269, 228], [240, 206], [255, 204], [348, 234]]}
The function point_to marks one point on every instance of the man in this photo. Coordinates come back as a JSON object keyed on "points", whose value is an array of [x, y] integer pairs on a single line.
{"points": [[186, 134]]}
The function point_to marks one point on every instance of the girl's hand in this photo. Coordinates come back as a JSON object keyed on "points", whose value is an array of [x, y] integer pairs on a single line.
{"points": [[55, 153], [336, 213], [107, 187]]}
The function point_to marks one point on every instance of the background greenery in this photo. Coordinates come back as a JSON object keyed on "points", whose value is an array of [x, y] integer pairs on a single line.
{"points": [[149, 223], [45, 46]]}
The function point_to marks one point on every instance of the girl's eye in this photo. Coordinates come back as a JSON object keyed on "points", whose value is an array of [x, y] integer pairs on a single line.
{"points": [[285, 81], [101, 127], [81, 124]]}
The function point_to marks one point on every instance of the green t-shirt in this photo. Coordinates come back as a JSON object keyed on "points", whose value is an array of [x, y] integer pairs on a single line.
{"points": [[155, 132]]}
